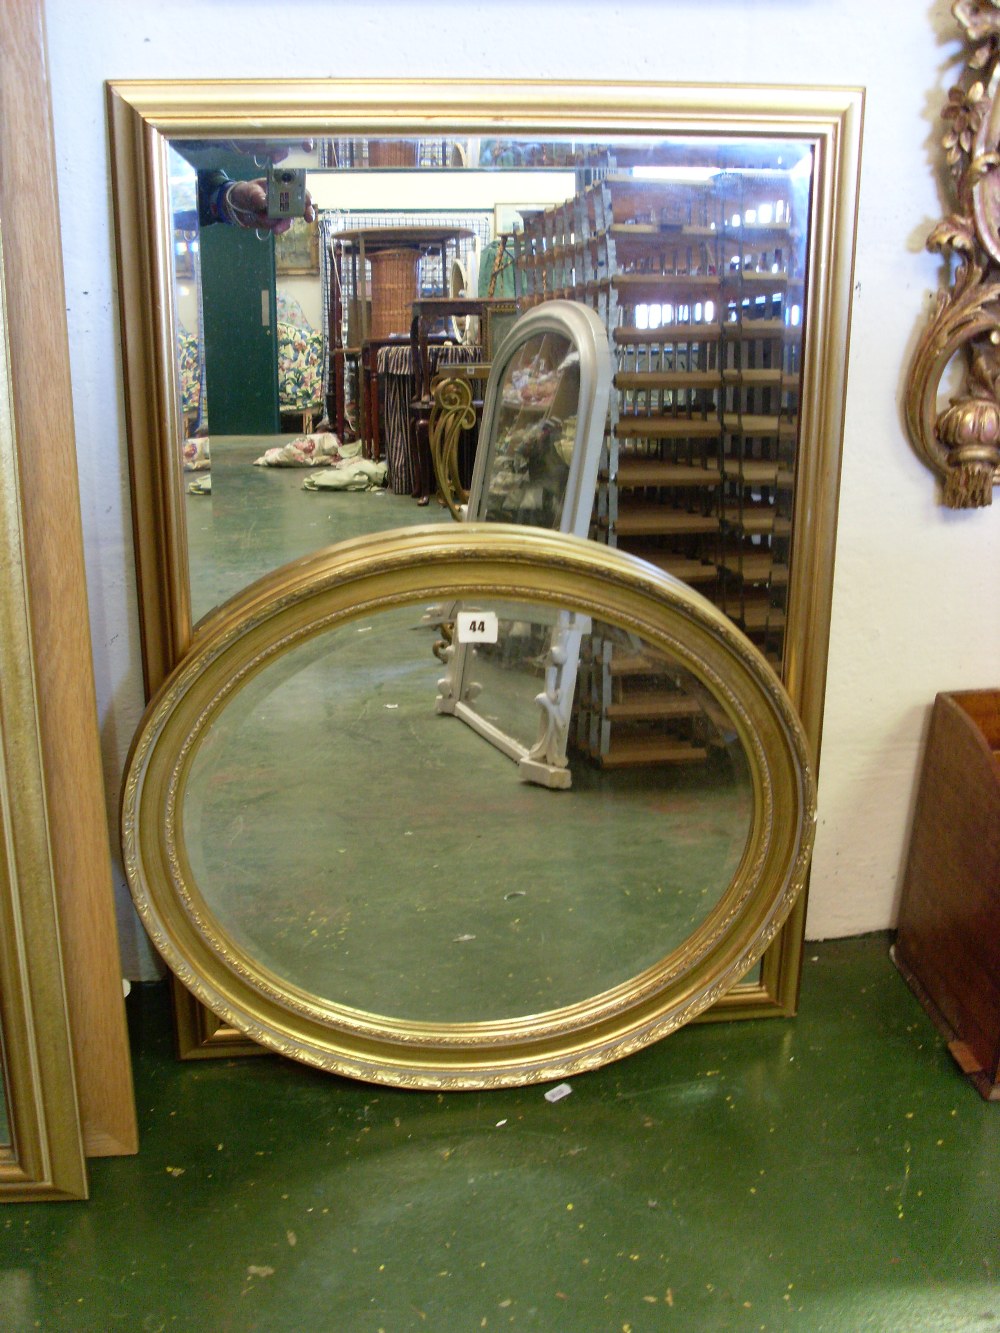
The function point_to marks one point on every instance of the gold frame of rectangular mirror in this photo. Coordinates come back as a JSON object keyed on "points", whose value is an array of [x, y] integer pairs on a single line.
{"points": [[144, 115]]}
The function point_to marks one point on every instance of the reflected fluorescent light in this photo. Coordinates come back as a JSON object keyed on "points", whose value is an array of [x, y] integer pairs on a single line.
{"points": [[697, 175]]}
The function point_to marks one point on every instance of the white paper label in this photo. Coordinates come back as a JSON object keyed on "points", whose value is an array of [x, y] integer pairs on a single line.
{"points": [[558, 1093], [477, 627]]}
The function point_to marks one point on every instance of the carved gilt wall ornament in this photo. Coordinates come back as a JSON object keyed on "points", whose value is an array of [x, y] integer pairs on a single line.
{"points": [[962, 442]]}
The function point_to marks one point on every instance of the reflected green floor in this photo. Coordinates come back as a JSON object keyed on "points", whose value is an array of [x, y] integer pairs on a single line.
{"points": [[257, 518], [829, 1172]]}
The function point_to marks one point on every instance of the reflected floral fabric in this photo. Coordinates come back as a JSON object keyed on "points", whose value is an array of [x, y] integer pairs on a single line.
{"points": [[300, 366]]}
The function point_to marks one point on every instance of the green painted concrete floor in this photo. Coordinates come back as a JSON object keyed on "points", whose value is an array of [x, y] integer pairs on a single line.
{"points": [[828, 1172]]}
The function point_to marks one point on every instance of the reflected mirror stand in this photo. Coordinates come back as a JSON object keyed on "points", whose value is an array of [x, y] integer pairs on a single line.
{"points": [[536, 464]]}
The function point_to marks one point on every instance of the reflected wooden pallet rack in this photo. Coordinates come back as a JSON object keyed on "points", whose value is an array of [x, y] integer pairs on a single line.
{"points": [[699, 287]]}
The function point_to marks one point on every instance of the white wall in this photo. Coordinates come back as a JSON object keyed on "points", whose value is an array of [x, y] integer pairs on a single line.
{"points": [[915, 605]]}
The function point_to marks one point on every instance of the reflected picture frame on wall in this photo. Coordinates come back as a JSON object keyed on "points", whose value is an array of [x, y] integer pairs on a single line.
{"points": [[296, 251]]}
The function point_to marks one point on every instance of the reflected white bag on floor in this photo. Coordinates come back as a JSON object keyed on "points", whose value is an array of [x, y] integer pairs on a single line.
{"points": [[357, 474]]}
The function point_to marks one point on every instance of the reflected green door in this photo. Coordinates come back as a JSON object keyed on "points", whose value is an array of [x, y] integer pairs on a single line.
{"points": [[241, 344]]}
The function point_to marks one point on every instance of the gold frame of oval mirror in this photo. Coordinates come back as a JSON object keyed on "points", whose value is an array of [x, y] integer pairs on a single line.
{"points": [[458, 985], [684, 133]]}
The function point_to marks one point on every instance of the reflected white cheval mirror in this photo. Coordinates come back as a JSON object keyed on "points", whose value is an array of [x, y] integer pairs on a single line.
{"points": [[536, 464]]}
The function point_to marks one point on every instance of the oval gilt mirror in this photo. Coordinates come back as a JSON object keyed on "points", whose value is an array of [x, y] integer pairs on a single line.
{"points": [[341, 869]]}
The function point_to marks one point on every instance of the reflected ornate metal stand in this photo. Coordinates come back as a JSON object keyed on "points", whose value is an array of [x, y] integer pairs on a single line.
{"points": [[452, 414]]}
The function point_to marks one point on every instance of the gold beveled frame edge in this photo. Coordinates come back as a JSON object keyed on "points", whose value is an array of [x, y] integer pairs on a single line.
{"points": [[291, 106], [140, 111], [407, 566], [45, 1159], [152, 414]]}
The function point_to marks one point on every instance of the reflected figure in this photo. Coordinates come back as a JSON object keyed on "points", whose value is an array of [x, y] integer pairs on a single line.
{"points": [[267, 203], [232, 202], [245, 203]]}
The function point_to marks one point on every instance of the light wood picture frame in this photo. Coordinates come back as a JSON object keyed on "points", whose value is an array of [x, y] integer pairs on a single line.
{"points": [[47, 548], [42, 1155]]}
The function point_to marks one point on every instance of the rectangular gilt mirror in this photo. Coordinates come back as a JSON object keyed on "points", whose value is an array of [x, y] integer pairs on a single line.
{"points": [[711, 229]]}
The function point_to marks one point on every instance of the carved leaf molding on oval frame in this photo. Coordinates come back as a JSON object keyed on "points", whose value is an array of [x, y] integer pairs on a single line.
{"points": [[962, 442]]}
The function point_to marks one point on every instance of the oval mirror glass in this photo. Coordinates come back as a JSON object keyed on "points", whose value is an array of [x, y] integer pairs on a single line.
{"points": [[331, 780]]}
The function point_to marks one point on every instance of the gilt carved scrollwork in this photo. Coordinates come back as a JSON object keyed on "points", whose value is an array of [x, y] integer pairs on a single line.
{"points": [[962, 441], [452, 414]]}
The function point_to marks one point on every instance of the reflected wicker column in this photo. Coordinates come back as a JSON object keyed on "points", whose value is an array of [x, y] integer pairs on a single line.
{"points": [[393, 291], [392, 152]]}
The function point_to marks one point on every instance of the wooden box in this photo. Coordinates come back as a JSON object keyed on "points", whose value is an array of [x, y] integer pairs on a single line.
{"points": [[948, 940]]}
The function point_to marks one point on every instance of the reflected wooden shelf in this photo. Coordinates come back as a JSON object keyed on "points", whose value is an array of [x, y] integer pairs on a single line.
{"points": [[649, 704], [752, 232], [635, 472], [669, 334], [659, 520], [633, 198], [667, 379], [760, 567], [681, 567], [758, 472], [751, 378], [758, 615], [760, 423], [757, 520], [645, 663], [657, 288], [653, 236], [668, 428], [750, 278], [750, 326], [628, 750]]}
